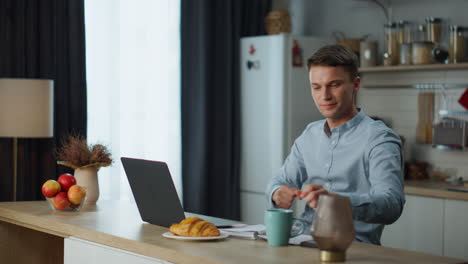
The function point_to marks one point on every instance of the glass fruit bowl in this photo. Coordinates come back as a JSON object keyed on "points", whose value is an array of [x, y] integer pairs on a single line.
{"points": [[60, 203]]}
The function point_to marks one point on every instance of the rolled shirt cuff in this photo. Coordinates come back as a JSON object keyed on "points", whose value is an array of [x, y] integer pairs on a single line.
{"points": [[270, 202]]}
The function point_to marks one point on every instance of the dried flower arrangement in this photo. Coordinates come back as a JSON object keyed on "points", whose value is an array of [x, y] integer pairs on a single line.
{"points": [[75, 153]]}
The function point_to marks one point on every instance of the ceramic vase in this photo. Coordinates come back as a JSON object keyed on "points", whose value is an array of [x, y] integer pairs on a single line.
{"points": [[87, 177], [333, 227]]}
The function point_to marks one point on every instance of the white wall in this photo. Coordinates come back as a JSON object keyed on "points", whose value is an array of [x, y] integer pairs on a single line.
{"points": [[358, 18], [400, 108]]}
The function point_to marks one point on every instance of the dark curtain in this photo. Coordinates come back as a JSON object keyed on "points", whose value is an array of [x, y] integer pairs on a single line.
{"points": [[43, 39], [210, 41]]}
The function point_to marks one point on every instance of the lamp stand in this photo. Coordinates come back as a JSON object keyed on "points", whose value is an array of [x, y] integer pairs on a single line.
{"points": [[15, 165]]}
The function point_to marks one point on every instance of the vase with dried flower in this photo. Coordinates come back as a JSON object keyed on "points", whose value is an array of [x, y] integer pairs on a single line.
{"points": [[86, 160]]}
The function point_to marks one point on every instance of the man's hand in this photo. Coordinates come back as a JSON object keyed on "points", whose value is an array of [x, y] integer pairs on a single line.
{"points": [[311, 194], [284, 196]]}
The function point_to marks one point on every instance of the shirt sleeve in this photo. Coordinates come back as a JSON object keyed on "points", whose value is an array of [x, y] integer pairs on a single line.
{"points": [[384, 202], [292, 173]]}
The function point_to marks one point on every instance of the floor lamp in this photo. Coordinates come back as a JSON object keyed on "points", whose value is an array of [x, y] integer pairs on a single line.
{"points": [[26, 111]]}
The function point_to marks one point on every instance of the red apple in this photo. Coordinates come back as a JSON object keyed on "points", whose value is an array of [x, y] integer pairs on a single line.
{"points": [[76, 194], [60, 201], [66, 181], [50, 188]]}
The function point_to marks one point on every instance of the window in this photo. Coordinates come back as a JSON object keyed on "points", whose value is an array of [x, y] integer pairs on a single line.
{"points": [[133, 80]]}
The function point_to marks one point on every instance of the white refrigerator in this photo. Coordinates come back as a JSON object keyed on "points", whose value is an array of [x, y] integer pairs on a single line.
{"points": [[276, 106]]}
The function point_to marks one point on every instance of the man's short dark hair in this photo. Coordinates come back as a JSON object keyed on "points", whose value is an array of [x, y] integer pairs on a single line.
{"points": [[335, 55]]}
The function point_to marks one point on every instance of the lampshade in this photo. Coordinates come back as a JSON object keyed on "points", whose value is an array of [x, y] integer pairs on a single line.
{"points": [[26, 108]]}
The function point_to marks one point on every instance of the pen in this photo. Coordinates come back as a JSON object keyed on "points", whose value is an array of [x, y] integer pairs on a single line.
{"points": [[228, 226]]}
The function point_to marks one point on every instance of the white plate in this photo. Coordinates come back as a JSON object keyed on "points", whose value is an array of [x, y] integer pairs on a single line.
{"points": [[172, 236]]}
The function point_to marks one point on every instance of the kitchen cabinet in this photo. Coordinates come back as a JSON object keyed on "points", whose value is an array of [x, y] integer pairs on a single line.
{"points": [[78, 251], [431, 225], [20, 245], [420, 227], [455, 229]]}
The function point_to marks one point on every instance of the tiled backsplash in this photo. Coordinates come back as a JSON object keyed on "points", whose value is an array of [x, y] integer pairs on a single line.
{"points": [[399, 107]]}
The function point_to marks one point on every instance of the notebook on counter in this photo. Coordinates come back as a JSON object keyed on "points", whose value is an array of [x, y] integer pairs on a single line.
{"points": [[154, 191]]}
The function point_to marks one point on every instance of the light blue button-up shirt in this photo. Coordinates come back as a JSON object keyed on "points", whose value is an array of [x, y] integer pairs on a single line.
{"points": [[360, 159]]}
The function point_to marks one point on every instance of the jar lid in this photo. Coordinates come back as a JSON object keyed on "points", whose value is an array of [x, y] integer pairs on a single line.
{"points": [[434, 20], [423, 43], [454, 28], [391, 25], [458, 28], [403, 23]]}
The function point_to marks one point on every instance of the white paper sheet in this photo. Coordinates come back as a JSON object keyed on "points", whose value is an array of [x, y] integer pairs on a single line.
{"points": [[258, 232]]}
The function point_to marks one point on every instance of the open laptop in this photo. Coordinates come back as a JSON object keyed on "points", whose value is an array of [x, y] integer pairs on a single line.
{"points": [[154, 191]]}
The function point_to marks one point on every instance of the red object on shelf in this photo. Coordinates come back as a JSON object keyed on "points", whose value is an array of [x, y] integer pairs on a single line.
{"points": [[296, 55], [463, 100], [252, 49]]}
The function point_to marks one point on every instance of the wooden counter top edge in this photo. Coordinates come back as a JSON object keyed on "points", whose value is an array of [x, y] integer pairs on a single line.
{"points": [[46, 224], [65, 230], [436, 193]]}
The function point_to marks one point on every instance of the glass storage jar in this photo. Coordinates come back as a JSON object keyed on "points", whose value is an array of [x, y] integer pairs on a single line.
{"points": [[368, 53], [434, 29], [392, 45], [405, 54], [457, 44], [420, 33], [422, 52], [405, 32]]}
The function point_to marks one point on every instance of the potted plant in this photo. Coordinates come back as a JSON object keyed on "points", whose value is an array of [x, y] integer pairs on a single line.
{"points": [[86, 160]]}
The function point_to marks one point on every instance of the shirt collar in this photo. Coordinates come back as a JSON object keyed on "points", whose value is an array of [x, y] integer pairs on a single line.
{"points": [[346, 126]]}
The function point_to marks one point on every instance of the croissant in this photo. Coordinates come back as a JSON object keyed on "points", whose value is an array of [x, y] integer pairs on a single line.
{"points": [[194, 227]]}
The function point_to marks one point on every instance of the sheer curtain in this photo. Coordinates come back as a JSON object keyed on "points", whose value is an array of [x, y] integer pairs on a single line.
{"points": [[133, 76]]}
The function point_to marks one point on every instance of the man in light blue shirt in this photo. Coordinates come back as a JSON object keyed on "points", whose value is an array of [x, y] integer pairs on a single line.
{"points": [[347, 153]]}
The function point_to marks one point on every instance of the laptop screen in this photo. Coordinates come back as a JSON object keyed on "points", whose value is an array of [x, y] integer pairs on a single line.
{"points": [[154, 191]]}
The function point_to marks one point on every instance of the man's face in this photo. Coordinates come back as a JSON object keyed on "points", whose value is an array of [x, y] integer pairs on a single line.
{"points": [[333, 92]]}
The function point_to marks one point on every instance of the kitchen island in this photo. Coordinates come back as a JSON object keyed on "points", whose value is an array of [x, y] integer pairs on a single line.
{"points": [[113, 232]]}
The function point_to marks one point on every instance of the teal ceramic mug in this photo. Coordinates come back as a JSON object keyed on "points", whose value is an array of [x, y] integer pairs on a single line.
{"points": [[281, 225]]}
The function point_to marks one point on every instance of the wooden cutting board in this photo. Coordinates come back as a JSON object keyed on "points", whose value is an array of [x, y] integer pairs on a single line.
{"points": [[425, 117]]}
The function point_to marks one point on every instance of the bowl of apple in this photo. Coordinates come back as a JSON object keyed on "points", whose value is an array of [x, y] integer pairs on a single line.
{"points": [[63, 194]]}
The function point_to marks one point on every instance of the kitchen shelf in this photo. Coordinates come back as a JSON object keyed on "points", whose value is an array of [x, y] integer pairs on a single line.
{"points": [[448, 112], [429, 86], [414, 67]]}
